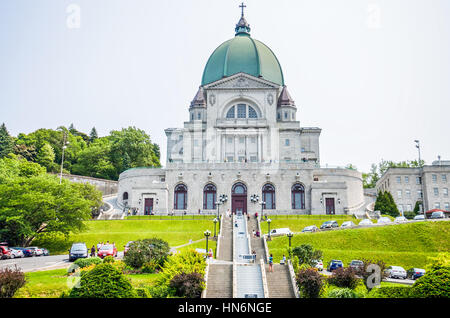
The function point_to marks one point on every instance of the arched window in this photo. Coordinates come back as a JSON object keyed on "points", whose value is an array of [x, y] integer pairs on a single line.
{"points": [[209, 197], [180, 202], [230, 113], [125, 196], [268, 196], [298, 196], [241, 111], [239, 188]]}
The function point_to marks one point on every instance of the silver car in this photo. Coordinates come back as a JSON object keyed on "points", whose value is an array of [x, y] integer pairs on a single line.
{"points": [[16, 253], [437, 215], [396, 272], [384, 220], [366, 222], [348, 224], [311, 228], [419, 217], [399, 219]]}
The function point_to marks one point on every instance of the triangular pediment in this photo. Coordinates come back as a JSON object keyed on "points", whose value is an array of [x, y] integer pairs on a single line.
{"points": [[241, 81]]}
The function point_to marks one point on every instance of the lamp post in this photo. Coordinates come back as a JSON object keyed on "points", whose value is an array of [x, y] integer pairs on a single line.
{"points": [[268, 225], [207, 234], [290, 235], [262, 207], [65, 143], [215, 222]]}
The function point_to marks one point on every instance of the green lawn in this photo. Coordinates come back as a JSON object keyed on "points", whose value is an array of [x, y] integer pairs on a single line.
{"points": [[407, 245], [50, 284], [175, 232]]}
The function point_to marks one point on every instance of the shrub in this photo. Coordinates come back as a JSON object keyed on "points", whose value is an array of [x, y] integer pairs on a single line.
{"points": [[307, 255], [109, 259], [104, 281], [344, 277], [149, 267], [391, 292], [295, 263], [188, 285], [148, 250], [142, 293], [342, 293], [85, 262], [309, 282], [160, 291], [11, 280], [434, 284], [187, 261]]}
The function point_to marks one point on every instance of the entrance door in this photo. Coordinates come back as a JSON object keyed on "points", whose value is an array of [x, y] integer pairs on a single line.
{"points": [[239, 198], [329, 204], [148, 206]]}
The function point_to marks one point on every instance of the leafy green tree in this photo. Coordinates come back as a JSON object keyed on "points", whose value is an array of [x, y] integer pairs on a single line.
{"points": [[13, 167], [307, 254], [27, 152], [94, 160], [30, 206], [93, 134], [46, 157], [6, 142], [417, 207]]}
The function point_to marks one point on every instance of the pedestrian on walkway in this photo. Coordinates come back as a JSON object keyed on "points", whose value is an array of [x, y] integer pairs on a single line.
{"points": [[271, 263], [254, 256], [93, 251], [254, 233]]}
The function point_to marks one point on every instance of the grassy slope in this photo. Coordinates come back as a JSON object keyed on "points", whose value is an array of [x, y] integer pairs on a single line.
{"points": [[406, 245], [50, 284], [176, 233]]}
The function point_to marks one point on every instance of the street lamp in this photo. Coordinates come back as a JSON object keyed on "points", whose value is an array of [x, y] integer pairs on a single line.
{"points": [[268, 225], [215, 222], [207, 234], [65, 143], [262, 207], [290, 235]]}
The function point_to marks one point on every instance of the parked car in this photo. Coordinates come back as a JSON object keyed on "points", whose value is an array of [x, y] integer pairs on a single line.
{"points": [[25, 250], [16, 253], [348, 224], [384, 220], [396, 272], [37, 251], [127, 247], [415, 273], [399, 219], [419, 217], [311, 228], [356, 264], [107, 250], [329, 225], [334, 264], [5, 253], [319, 265], [78, 250], [45, 252], [437, 215], [278, 232], [366, 222]]}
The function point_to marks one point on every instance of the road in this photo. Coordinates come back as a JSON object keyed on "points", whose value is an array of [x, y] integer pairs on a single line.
{"points": [[39, 263]]}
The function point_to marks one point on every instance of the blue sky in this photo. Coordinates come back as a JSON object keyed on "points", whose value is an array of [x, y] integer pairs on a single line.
{"points": [[374, 75]]}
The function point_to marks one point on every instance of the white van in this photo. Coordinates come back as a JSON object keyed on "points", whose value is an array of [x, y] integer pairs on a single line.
{"points": [[279, 232]]}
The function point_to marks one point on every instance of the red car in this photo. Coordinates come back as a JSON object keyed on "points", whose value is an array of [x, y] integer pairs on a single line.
{"points": [[107, 250], [4, 252]]}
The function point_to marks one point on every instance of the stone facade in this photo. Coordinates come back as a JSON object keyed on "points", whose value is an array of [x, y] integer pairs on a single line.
{"points": [[429, 184]]}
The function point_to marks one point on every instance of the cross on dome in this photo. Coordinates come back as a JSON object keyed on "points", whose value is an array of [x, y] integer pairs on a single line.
{"points": [[242, 6]]}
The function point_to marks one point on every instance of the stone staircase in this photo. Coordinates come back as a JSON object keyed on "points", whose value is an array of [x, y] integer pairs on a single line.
{"points": [[220, 281], [220, 274], [278, 282], [257, 243]]}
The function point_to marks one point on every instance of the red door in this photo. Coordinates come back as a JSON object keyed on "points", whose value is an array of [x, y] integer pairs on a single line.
{"points": [[329, 204], [148, 206], [239, 198]]}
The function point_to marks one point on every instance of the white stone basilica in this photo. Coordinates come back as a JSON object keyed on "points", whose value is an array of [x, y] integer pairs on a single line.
{"points": [[242, 141]]}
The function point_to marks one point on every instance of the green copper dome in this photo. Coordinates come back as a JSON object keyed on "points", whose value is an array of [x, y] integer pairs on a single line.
{"points": [[243, 54]]}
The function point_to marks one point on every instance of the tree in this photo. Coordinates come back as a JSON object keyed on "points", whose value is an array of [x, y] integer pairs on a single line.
{"points": [[93, 134], [46, 157], [13, 167], [417, 207], [6, 142], [30, 206], [94, 160], [385, 204], [307, 255]]}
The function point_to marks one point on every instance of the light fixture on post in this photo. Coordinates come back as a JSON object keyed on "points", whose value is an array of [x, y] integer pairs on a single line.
{"points": [[268, 225], [290, 235], [207, 234], [215, 222]]}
